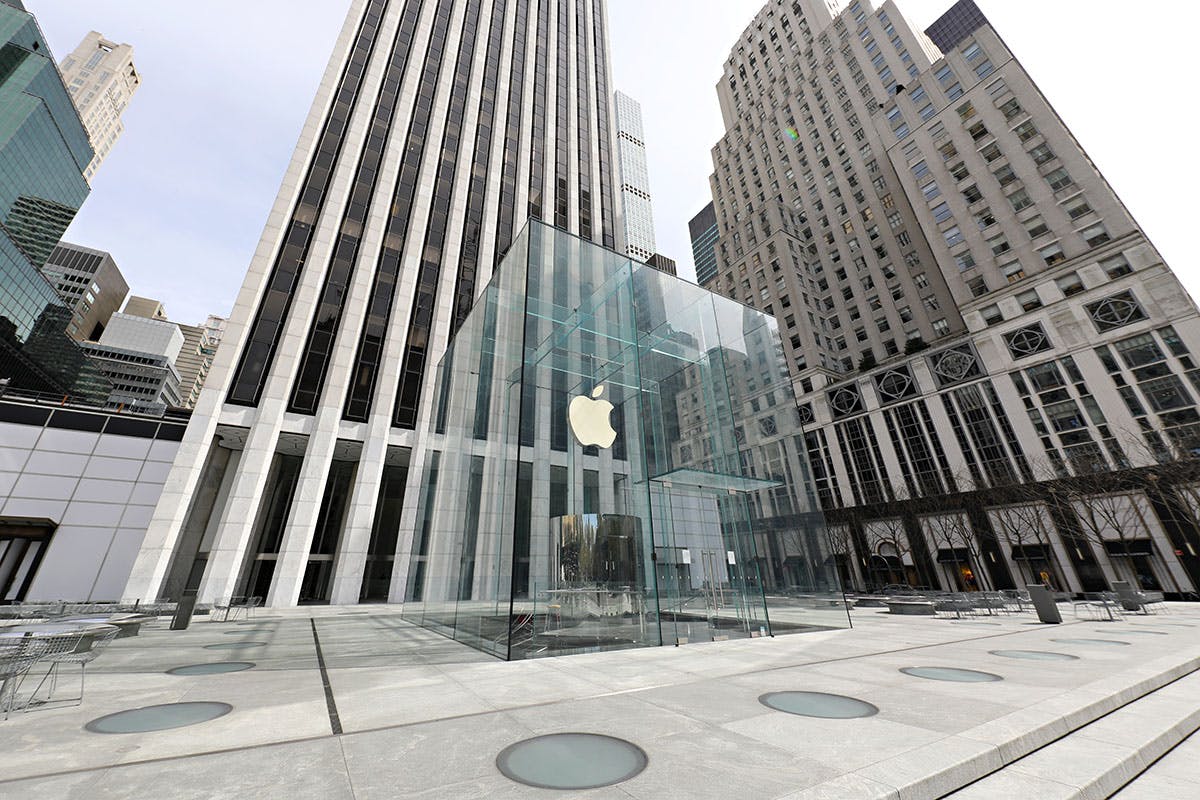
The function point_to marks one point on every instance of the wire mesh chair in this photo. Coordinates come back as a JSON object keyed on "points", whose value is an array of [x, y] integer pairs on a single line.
{"points": [[89, 645], [17, 655], [41, 647]]}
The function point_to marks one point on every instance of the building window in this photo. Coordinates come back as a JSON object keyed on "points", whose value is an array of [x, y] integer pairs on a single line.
{"points": [[1029, 300], [1059, 179], [1042, 154], [1005, 175], [1166, 393], [1077, 207], [991, 315], [941, 327], [1027, 341], [1115, 312], [1052, 254], [972, 194], [896, 384], [1013, 271], [845, 400], [1020, 200], [1010, 108], [965, 261], [1070, 284], [978, 286], [953, 235], [985, 219], [1026, 131], [1138, 351], [1035, 227], [1095, 235], [991, 151], [999, 245], [955, 365], [1116, 266]]}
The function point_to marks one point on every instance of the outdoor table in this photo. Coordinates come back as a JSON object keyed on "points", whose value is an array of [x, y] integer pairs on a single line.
{"points": [[128, 624]]}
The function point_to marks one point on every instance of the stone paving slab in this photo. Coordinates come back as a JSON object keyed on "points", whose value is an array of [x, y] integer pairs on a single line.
{"points": [[426, 717]]}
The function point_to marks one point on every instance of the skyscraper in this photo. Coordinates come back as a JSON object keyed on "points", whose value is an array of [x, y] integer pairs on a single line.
{"points": [[439, 127], [986, 347], [703, 231], [635, 178], [91, 284], [102, 79], [43, 152]]}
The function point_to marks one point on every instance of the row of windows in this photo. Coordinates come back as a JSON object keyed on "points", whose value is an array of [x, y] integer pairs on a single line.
{"points": [[267, 327], [339, 274]]}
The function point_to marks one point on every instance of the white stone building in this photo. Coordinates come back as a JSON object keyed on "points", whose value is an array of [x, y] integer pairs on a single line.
{"points": [[439, 127], [102, 79], [634, 176]]}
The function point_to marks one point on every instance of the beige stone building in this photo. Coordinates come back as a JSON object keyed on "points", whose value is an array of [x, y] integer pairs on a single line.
{"points": [[995, 368], [102, 79]]}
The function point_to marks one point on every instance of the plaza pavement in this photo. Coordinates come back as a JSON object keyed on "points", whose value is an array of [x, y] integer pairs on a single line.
{"points": [[421, 716]]}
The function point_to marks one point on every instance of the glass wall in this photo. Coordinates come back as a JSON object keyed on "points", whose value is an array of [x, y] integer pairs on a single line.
{"points": [[616, 461], [43, 152]]}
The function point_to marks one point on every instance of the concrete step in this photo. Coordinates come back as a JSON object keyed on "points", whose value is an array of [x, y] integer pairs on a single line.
{"points": [[1172, 776], [1095, 761], [1085, 743]]}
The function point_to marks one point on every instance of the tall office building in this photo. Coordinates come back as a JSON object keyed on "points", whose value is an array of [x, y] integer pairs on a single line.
{"points": [[996, 370], [634, 175], [91, 284], [439, 127], [194, 361], [704, 233], [663, 264], [102, 79], [43, 152], [138, 354], [196, 351]]}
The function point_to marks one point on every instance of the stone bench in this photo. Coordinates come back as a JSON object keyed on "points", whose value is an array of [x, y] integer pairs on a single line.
{"points": [[917, 608]]}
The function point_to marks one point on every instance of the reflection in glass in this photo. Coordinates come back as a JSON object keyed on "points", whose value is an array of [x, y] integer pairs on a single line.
{"points": [[697, 523]]}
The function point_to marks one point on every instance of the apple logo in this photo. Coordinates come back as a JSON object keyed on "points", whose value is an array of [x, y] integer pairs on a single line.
{"points": [[589, 420]]}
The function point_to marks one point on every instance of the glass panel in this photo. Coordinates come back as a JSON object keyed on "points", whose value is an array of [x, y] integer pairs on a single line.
{"points": [[616, 464]]}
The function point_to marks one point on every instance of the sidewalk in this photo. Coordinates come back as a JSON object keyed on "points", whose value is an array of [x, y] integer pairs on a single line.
{"points": [[421, 716]]}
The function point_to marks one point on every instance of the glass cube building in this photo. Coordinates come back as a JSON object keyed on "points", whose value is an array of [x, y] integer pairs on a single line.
{"points": [[616, 461]]}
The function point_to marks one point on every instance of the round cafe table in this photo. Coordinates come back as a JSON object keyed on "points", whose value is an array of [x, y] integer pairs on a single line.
{"points": [[51, 628]]}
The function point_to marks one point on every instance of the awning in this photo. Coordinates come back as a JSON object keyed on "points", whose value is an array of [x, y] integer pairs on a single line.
{"points": [[1129, 547], [954, 555]]}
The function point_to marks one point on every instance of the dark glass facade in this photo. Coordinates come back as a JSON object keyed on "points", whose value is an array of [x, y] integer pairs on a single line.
{"points": [[43, 152], [704, 234], [516, 84], [267, 327]]}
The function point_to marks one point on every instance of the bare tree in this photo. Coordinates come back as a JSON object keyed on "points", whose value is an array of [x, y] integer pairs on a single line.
{"points": [[952, 531], [1025, 525], [841, 544], [887, 540], [1107, 511]]}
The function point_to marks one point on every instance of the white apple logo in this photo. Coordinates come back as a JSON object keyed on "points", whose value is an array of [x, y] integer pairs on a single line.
{"points": [[589, 420]]}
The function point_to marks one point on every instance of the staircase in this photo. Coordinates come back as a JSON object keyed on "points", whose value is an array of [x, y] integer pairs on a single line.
{"points": [[1088, 744]]}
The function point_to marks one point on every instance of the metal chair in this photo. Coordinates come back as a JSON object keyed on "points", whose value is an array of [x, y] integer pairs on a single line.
{"points": [[39, 648], [17, 656], [90, 643], [225, 607]]}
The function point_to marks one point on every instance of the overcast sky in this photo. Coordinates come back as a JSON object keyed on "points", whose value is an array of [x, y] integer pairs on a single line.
{"points": [[182, 200]]}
